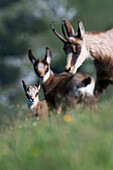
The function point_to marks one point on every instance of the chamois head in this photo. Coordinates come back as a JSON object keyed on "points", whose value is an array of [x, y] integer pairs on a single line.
{"points": [[31, 92], [41, 66], [74, 45]]}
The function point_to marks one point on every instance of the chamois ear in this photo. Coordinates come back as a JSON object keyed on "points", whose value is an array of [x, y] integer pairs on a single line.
{"points": [[38, 85], [69, 28], [87, 81], [31, 57], [48, 55], [81, 30], [24, 85]]}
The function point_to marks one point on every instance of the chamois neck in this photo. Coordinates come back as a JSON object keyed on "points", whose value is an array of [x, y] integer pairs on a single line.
{"points": [[49, 79], [100, 44]]}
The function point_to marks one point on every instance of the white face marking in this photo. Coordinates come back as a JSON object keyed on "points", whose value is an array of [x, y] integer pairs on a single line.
{"points": [[83, 55], [40, 66], [75, 70], [46, 76], [76, 67], [72, 38]]}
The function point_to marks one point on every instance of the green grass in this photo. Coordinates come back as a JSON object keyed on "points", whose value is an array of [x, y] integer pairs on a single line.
{"points": [[84, 143]]}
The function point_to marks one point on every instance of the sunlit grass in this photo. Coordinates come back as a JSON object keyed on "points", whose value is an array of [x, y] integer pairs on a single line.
{"points": [[81, 139]]}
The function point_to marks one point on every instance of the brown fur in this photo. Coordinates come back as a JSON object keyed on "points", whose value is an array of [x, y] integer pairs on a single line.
{"points": [[101, 49], [38, 108], [59, 88], [62, 88], [55, 88], [98, 46], [41, 110]]}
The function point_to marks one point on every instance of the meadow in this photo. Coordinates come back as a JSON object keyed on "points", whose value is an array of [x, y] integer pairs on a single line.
{"points": [[81, 139]]}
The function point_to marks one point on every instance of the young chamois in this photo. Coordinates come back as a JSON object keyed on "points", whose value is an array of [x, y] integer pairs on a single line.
{"points": [[62, 88], [95, 45], [37, 107]]}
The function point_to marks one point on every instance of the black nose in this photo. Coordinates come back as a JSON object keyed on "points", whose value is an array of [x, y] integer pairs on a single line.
{"points": [[67, 69], [31, 100]]}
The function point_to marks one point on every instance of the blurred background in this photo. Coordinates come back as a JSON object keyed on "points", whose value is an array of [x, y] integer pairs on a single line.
{"points": [[25, 24]]}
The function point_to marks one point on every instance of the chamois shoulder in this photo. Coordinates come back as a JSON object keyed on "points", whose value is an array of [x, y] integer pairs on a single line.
{"points": [[99, 32], [64, 74]]}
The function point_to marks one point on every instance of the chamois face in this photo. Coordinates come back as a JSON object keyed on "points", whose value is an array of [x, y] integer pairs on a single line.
{"points": [[75, 52], [32, 93], [74, 46], [42, 66]]}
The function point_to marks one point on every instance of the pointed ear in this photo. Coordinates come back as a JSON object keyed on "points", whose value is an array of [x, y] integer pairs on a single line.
{"points": [[24, 85], [69, 28], [48, 55], [38, 85], [87, 81], [81, 30], [31, 57]]}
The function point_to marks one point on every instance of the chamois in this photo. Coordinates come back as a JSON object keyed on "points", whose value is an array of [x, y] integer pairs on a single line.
{"points": [[62, 88], [37, 107], [95, 45]]}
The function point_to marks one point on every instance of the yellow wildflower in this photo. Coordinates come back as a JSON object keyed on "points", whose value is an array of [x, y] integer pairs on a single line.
{"points": [[67, 118]]}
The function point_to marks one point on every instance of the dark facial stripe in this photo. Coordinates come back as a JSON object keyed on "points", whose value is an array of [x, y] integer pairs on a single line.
{"points": [[46, 70], [75, 57]]}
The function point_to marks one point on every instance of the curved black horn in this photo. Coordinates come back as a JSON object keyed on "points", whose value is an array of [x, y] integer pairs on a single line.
{"points": [[69, 27], [67, 38], [65, 35], [57, 34]]}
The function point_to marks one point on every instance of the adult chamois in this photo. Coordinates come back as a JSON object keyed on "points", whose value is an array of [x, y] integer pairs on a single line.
{"points": [[95, 45]]}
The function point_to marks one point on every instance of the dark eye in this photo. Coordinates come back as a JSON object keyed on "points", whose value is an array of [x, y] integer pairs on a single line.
{"points": [[78, 48], [36, 94]]}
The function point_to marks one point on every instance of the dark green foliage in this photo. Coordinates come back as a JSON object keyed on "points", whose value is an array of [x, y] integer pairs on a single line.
{"points": [[24, 21], [5, 3], [10, 45], [8, 74], [15, 38]]}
